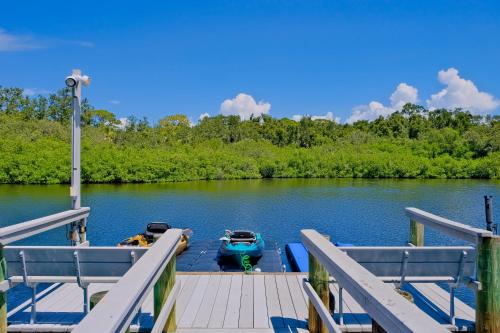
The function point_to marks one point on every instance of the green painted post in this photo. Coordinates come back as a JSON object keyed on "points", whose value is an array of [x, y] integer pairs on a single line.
{"points": [[161, 291], [3, 295], [319, 280], [416, 233], [488, 273]]}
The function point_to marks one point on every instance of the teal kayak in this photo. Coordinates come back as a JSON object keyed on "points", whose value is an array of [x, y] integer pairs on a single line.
{"points": [[241, 242]]}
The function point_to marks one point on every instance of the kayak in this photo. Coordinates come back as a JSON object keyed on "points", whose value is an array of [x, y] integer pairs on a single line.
{"points": [[153, 231], [240, 243]]}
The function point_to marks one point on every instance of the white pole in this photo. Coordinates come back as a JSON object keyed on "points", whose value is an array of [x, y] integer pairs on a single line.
{"points": [[76, 144]]}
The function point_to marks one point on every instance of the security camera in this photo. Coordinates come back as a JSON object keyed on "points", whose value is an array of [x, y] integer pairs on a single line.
{"points": [[71, 81]]}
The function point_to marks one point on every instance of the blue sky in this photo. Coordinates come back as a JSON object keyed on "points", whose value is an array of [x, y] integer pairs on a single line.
{"points": [[297, 57]]}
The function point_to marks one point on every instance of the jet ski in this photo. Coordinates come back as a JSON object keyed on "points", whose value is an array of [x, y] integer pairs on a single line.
{"points": [[241, 243], [153, 231]]}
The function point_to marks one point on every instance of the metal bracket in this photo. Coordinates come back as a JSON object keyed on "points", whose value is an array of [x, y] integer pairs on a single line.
{"points": [[472, 283], [404, 266], [32, 286], [25, 269], [341, 306], [460, 272], [133, 258], [81, 284], [454, 285]]}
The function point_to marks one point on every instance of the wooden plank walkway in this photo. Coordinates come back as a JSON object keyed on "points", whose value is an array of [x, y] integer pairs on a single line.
{"points": [[227, 302]]}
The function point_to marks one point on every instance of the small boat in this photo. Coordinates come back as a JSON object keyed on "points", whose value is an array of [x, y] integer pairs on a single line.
{"points": [[241, 243], [153, 231]]}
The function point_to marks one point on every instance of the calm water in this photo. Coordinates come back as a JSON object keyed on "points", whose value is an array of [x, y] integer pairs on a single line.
{"points": [[362, 212]]}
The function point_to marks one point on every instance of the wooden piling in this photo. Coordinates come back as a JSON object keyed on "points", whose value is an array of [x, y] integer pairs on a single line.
{"points": [[3, 295], [488, 274], [319, 279], [161, 291], [416, 233]]}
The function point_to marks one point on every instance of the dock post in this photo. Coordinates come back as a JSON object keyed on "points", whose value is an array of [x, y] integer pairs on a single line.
{"points": [[416, 233], [3, 295], [319, 280], [488, 274], [161, 291]]}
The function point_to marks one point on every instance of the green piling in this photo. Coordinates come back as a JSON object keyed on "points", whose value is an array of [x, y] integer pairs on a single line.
{"points": [[319, 280], [488, 274], [416, 233], [161, 291]]}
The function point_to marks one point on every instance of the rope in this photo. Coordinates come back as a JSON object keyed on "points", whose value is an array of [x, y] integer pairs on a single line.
{"points": [[245, 263]]}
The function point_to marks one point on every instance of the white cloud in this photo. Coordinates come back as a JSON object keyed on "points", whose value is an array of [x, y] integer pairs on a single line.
{"points": [[11, 42], [369, 112], [35, 92], [16, 42], [114, 102], [203, 116], [461, 93], [403, 94], [244, 105], [82, 43], [329, 116]]}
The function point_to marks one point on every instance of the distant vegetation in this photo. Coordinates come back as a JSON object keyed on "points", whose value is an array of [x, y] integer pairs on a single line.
{"points": [[412, 143]]}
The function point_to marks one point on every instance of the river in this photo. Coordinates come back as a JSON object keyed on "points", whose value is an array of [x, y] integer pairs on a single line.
{"points": [[357, 211]]}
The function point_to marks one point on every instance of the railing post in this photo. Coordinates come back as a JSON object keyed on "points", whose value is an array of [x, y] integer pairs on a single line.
{"points": [[488, 274], [3, 295], [161, 291], [319, 280], [416, 233]]}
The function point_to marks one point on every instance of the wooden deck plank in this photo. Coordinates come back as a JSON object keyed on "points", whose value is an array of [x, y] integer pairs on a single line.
{"points": [[235, 303], [273, 303], [232, 317], [247, 302], [48, 304], [300, 279], [185, 295], [220, 305], [194, 303], [441, 298], [260, 316], [299, 303], [243, 330], [287, 309], [55, 304], [203, 316]]}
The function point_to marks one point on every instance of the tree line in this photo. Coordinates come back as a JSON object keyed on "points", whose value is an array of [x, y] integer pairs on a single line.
{"points": [[411, 143]]}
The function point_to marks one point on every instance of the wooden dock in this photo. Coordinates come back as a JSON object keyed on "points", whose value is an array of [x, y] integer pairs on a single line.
{"points": [[230, 302]]}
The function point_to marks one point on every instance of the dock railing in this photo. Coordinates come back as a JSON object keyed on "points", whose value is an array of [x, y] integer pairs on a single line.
{"points": [[77, 218], [155, 269], [487, 263], [382, 303]]}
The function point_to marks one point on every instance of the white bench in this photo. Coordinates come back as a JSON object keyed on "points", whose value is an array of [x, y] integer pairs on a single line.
{"points": [[454, 265], [68, 264]]}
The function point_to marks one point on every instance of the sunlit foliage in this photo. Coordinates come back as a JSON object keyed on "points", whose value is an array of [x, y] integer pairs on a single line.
{"points": [[411, 143]]}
